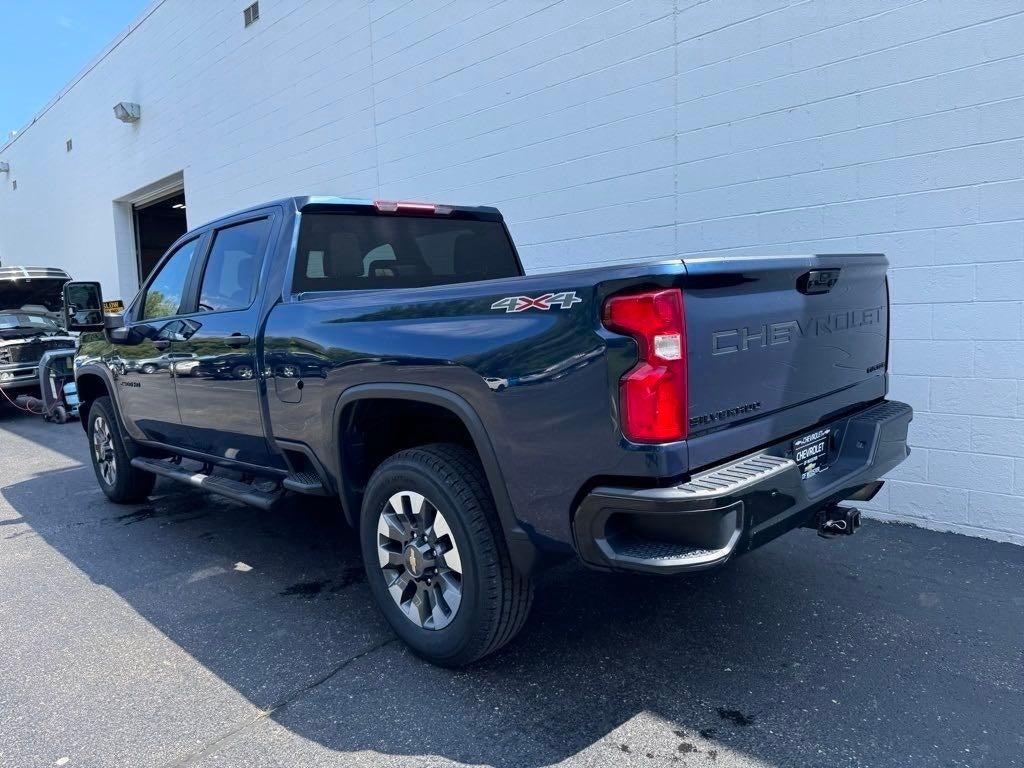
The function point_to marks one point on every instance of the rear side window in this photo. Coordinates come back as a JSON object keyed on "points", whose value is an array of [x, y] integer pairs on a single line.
{"points": [[233, 267], [351, 251]]}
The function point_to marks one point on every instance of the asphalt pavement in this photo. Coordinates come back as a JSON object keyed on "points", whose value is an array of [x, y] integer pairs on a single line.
{"points": [[192, 631]]}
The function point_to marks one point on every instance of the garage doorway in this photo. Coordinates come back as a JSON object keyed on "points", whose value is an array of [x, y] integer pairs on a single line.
{"points": [[157, 225]]}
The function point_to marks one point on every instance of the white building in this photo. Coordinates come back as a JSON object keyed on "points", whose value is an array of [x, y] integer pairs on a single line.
{"points": [[606, 131]]}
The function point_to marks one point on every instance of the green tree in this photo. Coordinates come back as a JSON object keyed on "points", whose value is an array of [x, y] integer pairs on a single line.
{"points": [[158, 305]]}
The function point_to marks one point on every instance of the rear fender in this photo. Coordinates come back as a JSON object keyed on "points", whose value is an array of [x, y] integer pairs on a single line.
{"points": [[523, 552]]}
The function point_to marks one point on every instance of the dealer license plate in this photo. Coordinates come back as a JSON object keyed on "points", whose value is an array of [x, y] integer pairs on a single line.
{"points": [[810, 452]]}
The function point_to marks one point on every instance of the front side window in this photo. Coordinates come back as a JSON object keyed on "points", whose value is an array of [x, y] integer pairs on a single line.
{"points": [[233, 268], [354, 251], [163, 296]]}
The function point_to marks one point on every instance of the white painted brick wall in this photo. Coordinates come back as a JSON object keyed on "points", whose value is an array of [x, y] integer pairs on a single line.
{"points": [[608, 130], [902, 125]]}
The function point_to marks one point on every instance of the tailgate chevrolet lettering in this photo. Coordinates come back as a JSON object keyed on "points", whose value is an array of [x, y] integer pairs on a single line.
{"points": [[773, 334]]}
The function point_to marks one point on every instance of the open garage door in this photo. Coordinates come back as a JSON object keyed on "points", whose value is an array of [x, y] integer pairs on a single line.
{"points": [[157, 224]]}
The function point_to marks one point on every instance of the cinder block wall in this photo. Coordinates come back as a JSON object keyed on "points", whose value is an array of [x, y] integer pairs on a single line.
{"points": [[883, 126], [608, 131]]}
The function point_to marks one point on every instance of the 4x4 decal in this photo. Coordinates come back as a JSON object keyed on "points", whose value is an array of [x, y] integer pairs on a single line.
{"points": [[563, 300]]}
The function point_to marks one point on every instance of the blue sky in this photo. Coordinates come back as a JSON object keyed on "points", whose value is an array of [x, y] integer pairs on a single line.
{"points": [[44, 43]]}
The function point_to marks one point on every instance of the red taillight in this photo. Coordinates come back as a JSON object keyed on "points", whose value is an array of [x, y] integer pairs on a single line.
{"points": [[652, 395]]}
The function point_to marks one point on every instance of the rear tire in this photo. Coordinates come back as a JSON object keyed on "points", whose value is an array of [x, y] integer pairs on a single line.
{"points": [[123, 483], [492, 600]]}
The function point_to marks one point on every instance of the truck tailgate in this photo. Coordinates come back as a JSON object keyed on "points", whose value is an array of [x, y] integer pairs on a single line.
{"points": [[766, 334]]}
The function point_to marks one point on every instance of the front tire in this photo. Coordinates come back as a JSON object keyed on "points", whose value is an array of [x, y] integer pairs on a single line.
{"points": [[436, 558], [123, 483]]}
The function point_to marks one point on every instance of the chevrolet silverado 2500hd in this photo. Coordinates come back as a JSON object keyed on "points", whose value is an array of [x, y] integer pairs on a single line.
{"points": [[476, 423]]}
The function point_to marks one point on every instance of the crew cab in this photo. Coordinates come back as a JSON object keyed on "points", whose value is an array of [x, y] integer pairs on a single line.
{"points": [[476, 424]]}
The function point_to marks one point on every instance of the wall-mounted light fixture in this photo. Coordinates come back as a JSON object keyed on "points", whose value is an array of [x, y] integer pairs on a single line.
{"points": [[127, 112], [5, 167]]}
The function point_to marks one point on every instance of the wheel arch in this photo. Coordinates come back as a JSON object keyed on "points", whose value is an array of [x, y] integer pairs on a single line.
{"points": [[522, 550], [93, 383]]}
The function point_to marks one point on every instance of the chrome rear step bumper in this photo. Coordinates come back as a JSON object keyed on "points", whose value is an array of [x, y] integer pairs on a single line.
{"points": [[739, 505]]}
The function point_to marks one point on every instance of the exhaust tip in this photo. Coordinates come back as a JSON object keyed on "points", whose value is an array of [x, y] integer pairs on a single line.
{"points": [[867, 492]]}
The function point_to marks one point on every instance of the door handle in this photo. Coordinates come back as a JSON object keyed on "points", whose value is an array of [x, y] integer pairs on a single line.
{"points": [[162, 344], [238, 340]]}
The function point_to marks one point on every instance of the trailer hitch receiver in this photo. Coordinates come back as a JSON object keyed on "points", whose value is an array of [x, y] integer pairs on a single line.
{"points": [[837, 521]]}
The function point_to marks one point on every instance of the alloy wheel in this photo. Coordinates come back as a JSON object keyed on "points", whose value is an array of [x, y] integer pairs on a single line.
{"points": [[420, 560], [103, 450]]}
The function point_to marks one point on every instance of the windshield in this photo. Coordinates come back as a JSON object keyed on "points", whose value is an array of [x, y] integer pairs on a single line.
{"points": [[25, 324]]}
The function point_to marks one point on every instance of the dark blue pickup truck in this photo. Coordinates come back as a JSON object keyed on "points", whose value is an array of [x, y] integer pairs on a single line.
{"points": [[477, 424]]}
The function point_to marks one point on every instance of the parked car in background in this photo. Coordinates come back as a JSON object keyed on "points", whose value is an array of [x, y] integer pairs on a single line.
{"points": [[30, 304], [181, 362], [238, 366], [476, 424]]}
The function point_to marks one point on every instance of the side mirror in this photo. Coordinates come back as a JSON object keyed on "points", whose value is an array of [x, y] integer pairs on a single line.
{"points": [[83, 307]]}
